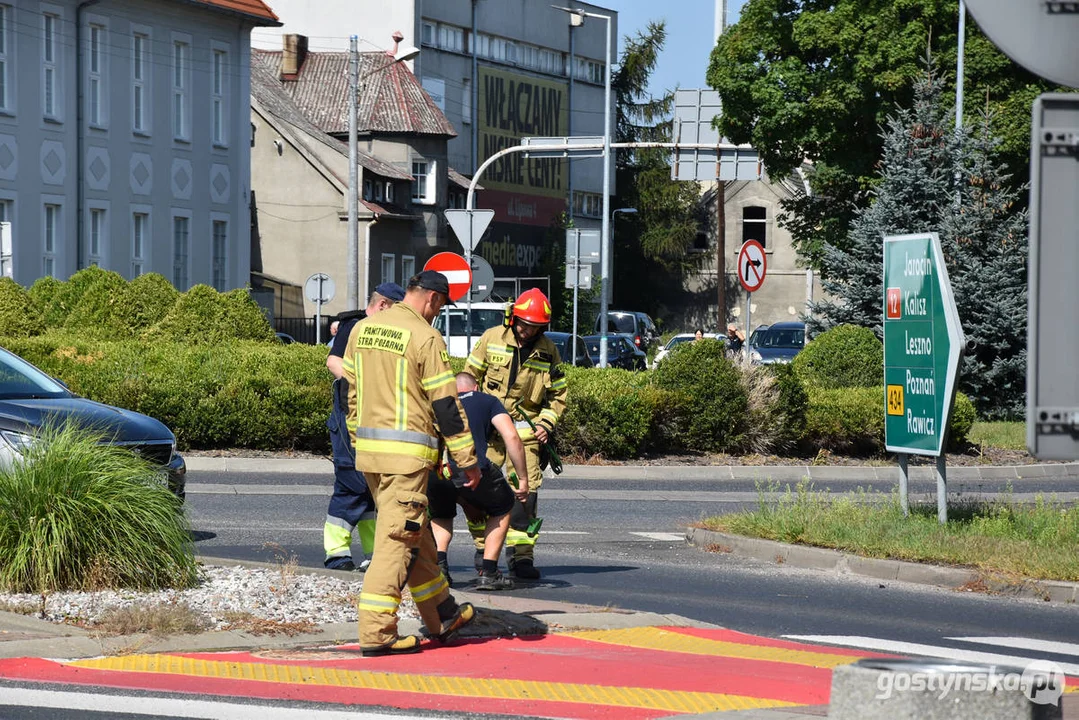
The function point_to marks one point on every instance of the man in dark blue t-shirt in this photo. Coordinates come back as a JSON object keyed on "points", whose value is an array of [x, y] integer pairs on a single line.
{"points": [[351, 507], [493, 498]]}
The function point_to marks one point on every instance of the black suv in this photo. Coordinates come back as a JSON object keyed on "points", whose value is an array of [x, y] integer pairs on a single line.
{"points": [[635, 324]]}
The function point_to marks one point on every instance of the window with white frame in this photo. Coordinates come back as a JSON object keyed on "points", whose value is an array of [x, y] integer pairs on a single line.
{"points": [[50, 238], [466, 100], [408, 267], [5, 61], [50, 65], [451, 38], [389, 191], [428, 34], [368, 190], [755, 224], [219, 96], [181, 59], [140, 79], [423, 182], [379, 187], [97, 236], [586, 204], [220, 243], [96, 92], [6, 252], [388, 262], [140, 236], [181, 235]]}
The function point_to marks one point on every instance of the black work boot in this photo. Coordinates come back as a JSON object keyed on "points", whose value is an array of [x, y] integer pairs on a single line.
{"points": [[489, 582], [477, 560], [444, 566], [521, 568]]}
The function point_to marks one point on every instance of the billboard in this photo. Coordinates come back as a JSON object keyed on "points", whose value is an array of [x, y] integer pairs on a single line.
{"points": [[512, 106]]}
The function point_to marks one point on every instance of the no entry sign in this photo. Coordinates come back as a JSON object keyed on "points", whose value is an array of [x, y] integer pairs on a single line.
{"points": [[456, 270], [752, 265]]}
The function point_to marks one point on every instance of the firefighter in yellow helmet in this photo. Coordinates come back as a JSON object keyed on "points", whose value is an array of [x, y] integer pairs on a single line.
{"points": [[519, 365], [402, 395]]}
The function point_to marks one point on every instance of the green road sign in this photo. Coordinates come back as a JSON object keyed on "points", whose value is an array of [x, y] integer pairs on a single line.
{"points": [[922, 345]]}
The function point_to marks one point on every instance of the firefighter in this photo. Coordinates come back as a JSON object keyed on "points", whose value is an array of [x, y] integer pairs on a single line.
{"points": [[401, 397], [519, 365], [351, 506]]}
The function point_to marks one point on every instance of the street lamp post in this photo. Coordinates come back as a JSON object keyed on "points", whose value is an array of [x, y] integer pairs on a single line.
{"points": [[577, 17], [399, 55], [627, 211]]}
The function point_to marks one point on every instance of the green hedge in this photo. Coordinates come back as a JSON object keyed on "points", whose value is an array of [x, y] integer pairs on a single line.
{"points": [[845, 356], [20, 316]]}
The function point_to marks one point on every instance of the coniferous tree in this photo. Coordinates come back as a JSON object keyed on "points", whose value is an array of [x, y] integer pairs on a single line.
{"points": [[935, 178]]}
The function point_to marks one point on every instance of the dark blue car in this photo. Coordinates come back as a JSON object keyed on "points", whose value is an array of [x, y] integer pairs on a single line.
{"points": [[779, 343]]}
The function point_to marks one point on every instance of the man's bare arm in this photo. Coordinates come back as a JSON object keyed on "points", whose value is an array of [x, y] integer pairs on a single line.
{"points": [[515, 450], [333, 364]]}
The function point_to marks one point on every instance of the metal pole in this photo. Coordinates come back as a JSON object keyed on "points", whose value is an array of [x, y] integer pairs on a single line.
{"points": [[942, 489], [605, 259], [353, 180], [318, 315], [749, 315], [959, 65], [904, 483], [468, 305], [576, 288]]}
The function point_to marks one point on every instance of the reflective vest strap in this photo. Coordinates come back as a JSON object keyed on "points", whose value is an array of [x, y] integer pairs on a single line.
{"points": [[397, 447], [439, 380], [409, 436], [378, 603], [401, 387], [477, 363]]}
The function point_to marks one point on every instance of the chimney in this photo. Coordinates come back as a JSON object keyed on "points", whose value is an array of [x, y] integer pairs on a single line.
{"points": [[293, 55], [398, 36]]}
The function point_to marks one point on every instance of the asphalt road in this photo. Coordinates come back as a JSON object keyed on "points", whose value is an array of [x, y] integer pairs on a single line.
{"points": [[618, 543]]}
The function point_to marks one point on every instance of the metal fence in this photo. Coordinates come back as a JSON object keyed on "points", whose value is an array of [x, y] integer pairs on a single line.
{"points": [[302, 329]]}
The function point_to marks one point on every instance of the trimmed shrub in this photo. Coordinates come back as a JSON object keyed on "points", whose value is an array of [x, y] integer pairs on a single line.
{"points": [[709, 402], [42, 292], [848, 420], [99, 310], [20, 316], [611, 412], [845, 356], [202, 315], [58, 303], [79, 515], [146, 300], [963, 418]]}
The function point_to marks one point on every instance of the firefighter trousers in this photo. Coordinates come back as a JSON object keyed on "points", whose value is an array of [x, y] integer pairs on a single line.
{"points": [[404, 554], [351, 507]]}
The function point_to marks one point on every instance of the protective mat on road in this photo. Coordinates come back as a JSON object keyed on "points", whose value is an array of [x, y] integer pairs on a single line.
{"points": [[645, 672]]}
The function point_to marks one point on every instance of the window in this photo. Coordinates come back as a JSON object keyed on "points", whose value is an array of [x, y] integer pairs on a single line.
{"points": [[181, 227], [379, 187], [140, 233], [181, 52], [7, 268], [590, 70], [50, 65], [451, 38], [95, 84], [219, 93], [586, 204], [428, 33], [408, 267], [389, 191], [140, 75], [368, 190], [5, 21], [220, 255], [98, 232], [423, 182], [50, 232], [387, 267], [466, 100], [754, 224]]}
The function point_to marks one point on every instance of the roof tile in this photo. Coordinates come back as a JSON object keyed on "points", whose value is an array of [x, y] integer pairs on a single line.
{"points": [[254, 8]]}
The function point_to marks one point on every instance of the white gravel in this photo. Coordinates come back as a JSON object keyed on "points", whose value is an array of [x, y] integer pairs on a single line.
{"points": [[279, 594]]}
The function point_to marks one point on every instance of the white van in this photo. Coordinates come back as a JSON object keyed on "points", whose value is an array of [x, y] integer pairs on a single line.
{"points": [[485, 315]]}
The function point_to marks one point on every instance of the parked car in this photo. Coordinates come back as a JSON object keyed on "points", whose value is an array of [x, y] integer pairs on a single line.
{"points": [[562, 342], [679, 339], [757, 334], [29, 398], [779, 343], [621, 352], [485, 315], [637, 325], [284, 338]]}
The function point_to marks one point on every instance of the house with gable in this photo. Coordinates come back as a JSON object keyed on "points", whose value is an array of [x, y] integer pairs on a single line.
{"points": [[300, 175]]}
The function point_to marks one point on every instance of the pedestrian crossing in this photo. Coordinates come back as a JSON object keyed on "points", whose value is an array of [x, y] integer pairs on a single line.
{"points": [[1038, 649]]}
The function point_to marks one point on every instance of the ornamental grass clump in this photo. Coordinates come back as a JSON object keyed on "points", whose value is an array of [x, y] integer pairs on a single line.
{"points": [[79, 515]]}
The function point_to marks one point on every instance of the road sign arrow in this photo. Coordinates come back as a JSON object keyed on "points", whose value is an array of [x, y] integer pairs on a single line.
{"points": [[469, 226], [923, 344]]}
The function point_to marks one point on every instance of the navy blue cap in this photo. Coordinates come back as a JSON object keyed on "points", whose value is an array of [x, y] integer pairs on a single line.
{"points": [[432, 280], [391, 290]]}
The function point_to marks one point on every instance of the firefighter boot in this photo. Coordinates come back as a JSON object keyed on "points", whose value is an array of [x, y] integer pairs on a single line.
{"points": [[458, 618], [403, 645], [490, 582], [521, 565]]}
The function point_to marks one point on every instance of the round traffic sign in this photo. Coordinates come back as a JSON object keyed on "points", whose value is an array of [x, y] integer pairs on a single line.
{"points": [[319, 288], [483, 279], [752, 265], [456, 270]]}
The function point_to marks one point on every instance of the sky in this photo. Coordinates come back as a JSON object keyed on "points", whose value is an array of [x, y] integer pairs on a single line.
{"points": [[690, 36]]}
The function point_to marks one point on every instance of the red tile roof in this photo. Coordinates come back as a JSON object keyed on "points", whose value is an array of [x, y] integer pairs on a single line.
{"points": [[391, 98], [255, 9]]}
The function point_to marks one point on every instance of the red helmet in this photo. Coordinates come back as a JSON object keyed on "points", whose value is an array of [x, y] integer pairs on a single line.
{"points": [[533, 307]]}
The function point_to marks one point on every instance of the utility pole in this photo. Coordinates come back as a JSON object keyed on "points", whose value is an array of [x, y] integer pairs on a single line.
{"points": [[353, 179], [721, 256]]}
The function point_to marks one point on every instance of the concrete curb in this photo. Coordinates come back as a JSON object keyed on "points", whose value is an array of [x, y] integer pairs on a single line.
{"points": [[802, 556], [778, 473]]}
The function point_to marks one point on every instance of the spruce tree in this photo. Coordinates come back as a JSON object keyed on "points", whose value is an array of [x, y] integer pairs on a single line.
{"points": [[935, 178]]}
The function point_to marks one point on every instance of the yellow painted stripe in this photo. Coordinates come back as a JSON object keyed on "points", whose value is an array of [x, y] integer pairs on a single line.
{"points": [[653, 638], [508, 689]]}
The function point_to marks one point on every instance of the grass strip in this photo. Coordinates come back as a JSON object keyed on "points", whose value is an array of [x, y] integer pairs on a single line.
{"points": [[1037, 540], [999, 434]]}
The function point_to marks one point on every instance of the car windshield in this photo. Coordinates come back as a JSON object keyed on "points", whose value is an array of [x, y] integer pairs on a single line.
{"points": [[678, 340], [783, 338], [482, 319], [620, 324], [21, 380]]}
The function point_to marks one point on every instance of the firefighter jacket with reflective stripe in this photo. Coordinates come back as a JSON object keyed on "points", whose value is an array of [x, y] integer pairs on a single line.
{"points": [[530, 378], [402, 394]]}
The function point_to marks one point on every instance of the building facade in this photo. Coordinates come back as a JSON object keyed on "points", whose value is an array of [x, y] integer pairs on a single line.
{"points": [[499, 71], [125, 137]]}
